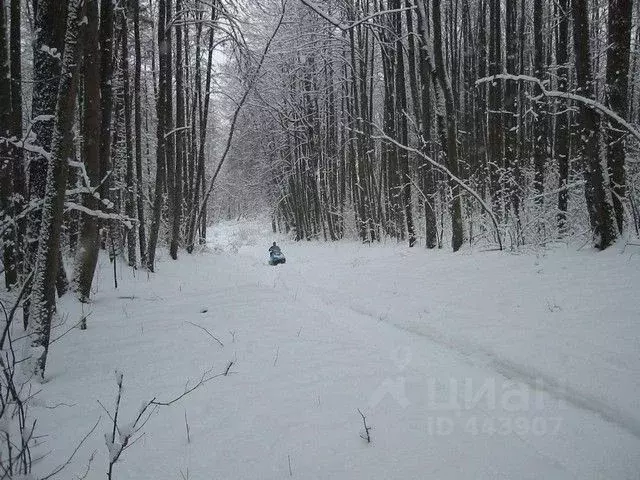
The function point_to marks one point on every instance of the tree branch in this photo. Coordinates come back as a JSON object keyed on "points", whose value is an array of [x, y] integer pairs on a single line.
{"points": [[568, 96]]}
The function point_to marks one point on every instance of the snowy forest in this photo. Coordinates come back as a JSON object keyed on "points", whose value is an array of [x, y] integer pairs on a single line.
{"points": [[152, 150]]}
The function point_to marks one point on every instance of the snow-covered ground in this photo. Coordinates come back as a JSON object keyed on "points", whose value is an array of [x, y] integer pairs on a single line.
{"points": [[480, 365]]}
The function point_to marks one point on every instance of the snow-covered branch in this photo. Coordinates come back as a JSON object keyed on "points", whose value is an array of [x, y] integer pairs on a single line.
{"points": [[30, 147], [445, 170], [344, 27], [127, 221], [568, 96], [176, 130]]}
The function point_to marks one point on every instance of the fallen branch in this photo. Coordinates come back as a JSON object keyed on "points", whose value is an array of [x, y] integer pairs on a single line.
{"points": [[207, 332], [366, 435]]}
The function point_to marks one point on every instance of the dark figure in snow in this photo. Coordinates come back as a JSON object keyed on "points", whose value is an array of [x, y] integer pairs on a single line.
{"points": [[275, 255], [274, 248]]}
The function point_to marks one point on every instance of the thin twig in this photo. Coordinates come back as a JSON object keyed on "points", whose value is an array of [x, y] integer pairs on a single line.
{"points": [[186, 423], [12, 312], [64, 465], [366, 434], [207, 332]]}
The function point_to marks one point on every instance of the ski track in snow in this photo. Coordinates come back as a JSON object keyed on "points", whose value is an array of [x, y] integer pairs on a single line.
{"points": [[398, 333], [477, 354]]}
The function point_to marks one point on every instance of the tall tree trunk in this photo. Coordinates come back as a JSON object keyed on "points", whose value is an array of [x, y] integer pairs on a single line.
{"points": [[451, 128], [428, 185], [87, 254], [619, 47], [6, 158], [403, 138], [43, 292], [160, 134], [170, 133], [106, 94], [138, 134], [562, 118], [50, 22], [539, 126], [512, 166], [48, 49], [180, 138], [130, 197], [193, 227], [19, 181], [495, 144], [599, 209]]}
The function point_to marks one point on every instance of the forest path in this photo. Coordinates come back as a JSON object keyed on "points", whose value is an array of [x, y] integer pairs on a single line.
{"points": [[561, 321], [312, 342]]}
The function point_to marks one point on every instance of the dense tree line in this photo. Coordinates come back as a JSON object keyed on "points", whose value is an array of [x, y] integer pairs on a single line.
{"points": [[104, 126], [408, 118]]}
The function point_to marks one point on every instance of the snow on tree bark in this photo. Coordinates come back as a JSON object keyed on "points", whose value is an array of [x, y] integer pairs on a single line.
{"points": [[619, 42], [18, 171], [562, 119], [600, 211], [89, 245], [180, 139], [138, 131], [106, 93], [457, 235], [6, 184], [160, 130], [6, 159], [50, 21], [47, 259], [130, 198]]}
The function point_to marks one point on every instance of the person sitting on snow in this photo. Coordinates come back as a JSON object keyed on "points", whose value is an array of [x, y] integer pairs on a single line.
{"points": [[274, 249]]}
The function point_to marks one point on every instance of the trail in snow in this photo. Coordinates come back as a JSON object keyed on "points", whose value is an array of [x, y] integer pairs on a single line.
{"points": [[316, 339], [556, 321]]}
